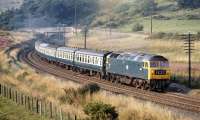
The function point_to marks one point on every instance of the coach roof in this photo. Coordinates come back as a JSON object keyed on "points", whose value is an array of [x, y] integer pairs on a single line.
{"points": [[67, 49], [91, 52]]}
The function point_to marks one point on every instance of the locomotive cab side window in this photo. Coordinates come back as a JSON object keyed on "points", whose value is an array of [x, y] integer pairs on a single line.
{"points": [[145, 65]]}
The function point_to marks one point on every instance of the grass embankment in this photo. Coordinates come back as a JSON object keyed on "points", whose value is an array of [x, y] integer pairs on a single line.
{"points": [[168, 26], [11, 111], [51, 88]]}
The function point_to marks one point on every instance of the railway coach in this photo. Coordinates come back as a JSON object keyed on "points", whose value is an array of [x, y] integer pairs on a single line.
{"points": [[91, 62]]}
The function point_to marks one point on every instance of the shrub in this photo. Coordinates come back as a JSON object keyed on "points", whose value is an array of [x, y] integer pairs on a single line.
{"points": [[188, 3], [100, 111], [78, 96], [89, 88], [137, 27]]}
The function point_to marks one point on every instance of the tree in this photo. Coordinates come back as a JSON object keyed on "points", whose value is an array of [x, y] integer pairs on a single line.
{"points": [[188, 3], [137, 27], [100, 111], [49, 12], [147, 6]]}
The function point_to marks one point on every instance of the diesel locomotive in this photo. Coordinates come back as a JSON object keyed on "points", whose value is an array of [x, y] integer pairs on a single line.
{"points": [[140, 70]]}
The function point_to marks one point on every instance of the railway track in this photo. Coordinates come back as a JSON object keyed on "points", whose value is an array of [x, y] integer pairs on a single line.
{"points": [[169, 99]]}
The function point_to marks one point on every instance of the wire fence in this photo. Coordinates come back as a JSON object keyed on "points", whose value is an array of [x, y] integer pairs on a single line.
{"points": [[36, 105]]}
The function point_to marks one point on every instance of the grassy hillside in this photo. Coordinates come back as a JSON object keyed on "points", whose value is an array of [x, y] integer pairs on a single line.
{"points": [[11, 111], [168, 15]]}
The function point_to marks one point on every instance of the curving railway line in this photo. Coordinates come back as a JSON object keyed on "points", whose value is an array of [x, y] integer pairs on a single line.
{"points": [[176, 100]]}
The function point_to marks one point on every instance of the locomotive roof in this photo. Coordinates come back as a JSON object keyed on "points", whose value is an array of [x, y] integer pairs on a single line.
{"points": [[141, 57], [91, 52], [68, 49]]}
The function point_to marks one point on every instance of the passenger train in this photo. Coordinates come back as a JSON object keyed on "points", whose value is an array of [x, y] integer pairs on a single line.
{"points": [[140, 70]]}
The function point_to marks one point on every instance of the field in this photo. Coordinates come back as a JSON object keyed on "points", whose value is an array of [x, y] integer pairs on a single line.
{"points": [[51, 88], [168, 26], [18, 113]]}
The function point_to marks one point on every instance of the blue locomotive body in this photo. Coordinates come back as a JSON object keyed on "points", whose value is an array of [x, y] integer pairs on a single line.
{"points": [[126, 65]]}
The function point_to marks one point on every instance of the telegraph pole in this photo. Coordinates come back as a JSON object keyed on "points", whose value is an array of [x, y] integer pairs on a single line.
{"points": [[75, 16], [85, 36], [189, 48], [151, 24]]}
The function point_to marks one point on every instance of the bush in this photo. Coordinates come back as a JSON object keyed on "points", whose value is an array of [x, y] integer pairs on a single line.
{"points": [[78, 96], [163, 35], [188, 3], [89, 88], [137, 27], [100, 111]]}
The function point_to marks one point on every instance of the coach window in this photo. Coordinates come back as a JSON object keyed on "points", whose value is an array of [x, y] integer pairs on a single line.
{"points": [[85, 58], [82, 58], [68, 56], [65, 55], [59, 55], [93, 60], [88, 57], [96, 60], [79, 57], [101, 62], [62, 55]]}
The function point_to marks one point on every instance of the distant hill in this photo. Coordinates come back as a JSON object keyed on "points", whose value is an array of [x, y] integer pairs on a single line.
{"points": [[168, 15], [9, 4]]}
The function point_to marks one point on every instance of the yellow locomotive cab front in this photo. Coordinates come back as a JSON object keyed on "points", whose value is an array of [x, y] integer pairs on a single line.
{"points": [[159, 70]]}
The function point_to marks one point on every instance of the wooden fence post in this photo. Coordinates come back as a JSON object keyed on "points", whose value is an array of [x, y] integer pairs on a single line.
{"points": [[32, 103], [13, 95], [68, 116], [10, 94], [75, 118], [40, 104], [37, 105], [29, 103], [22, 99], [0, 89], [56, 111], [44, 109], [16, 96], [51, 110], [61, 115], [4, 91]]}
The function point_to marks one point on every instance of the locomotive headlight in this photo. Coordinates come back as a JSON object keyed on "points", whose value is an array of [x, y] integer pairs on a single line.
{"points": [[152, 72], [168, 72]]}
